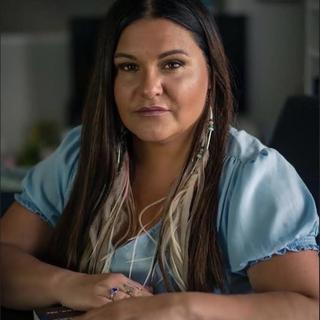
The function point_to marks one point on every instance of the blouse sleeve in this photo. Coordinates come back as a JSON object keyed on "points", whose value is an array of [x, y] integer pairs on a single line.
{"points": [[46, 186], [267, 211]]}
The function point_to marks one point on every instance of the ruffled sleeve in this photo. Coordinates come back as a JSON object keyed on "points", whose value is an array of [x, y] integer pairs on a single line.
{"points": [[46, 187], [265, 209]]}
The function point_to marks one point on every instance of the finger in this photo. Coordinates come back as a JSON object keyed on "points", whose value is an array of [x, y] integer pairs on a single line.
{"points": [[116, 293], [116, 279], [142, 293], [149, 289], [137, 285], [120, 295], [129, 290], [134, 291]]}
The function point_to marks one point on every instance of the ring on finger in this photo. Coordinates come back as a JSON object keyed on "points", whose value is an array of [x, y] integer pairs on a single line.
{"points": [[113, 292]]}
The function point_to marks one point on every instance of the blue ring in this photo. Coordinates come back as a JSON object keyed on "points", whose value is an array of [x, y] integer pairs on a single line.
{"points": [[113, 292]]}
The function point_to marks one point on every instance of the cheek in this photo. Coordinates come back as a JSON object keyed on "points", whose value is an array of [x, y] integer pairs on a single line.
{"points": [[124, 88], [118, 92], [199, 84], [120, 99], [191, 91], [121, 96]]}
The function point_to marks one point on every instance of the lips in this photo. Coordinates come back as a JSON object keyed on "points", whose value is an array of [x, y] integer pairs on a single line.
{"points": [[153, 111]]}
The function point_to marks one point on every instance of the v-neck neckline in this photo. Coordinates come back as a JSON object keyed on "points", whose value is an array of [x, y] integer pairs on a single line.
{"points": [[150, 231]]}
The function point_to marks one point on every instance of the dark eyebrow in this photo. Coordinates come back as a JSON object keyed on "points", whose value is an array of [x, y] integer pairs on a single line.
{"points": [[171, 52], [161, 56], [124, 55]]}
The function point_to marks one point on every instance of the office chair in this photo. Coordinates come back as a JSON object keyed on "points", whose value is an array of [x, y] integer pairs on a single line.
{"points": [[296, 137]]}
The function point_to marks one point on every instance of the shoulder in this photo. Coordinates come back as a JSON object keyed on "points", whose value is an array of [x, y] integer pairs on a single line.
{"points": [[252, 166], [264, 206], [64, 158], [46, 187], [70, 145], [243, 146], [249, 161], [63, 162]]}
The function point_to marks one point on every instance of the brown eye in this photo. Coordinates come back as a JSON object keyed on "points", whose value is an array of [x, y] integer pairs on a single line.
{"points": [[127, 67], [172, 65]]}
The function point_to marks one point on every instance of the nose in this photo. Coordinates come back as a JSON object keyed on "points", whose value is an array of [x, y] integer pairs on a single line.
{"points": [[151, 85]]}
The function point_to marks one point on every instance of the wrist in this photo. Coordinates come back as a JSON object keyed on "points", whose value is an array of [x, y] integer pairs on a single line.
{"points": [[58, 283], [199, 305], [192, 306], [184, 306]]}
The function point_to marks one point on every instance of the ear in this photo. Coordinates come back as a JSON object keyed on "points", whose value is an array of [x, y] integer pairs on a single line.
{"points": [[209, 90], [209, 78]]}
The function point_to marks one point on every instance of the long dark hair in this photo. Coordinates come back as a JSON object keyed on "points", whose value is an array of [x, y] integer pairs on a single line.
{"points": [[100, 137]]}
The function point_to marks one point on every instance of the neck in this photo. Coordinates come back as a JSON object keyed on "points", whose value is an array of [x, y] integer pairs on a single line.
{"points": [[157, 166], [162, 157]]}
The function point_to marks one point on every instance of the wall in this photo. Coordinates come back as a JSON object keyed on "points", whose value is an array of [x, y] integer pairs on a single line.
{"points": [[35, 64], [275, 56], [45, 15], [35, 84]]}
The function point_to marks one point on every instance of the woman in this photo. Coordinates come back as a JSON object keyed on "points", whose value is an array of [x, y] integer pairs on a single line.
{"points": [[156, 194]]}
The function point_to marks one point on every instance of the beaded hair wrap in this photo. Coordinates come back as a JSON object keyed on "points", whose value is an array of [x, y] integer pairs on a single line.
{"points": [[99, 251], [178, 209]]}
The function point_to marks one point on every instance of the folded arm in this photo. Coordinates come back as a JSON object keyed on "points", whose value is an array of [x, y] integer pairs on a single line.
{"points": [[27, 282], [286, 287]]}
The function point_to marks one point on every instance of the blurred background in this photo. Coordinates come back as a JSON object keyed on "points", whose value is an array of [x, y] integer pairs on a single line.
{"points": [[47, 53]]}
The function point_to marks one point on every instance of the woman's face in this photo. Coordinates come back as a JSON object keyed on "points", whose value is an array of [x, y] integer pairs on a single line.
{"points": [[162, 80]]}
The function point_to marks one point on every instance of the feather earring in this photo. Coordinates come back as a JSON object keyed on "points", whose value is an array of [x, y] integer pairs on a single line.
{"points": [[205, 146]]}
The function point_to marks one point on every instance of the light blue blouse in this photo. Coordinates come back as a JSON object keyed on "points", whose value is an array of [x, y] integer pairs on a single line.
{"points": [[264, 208]]}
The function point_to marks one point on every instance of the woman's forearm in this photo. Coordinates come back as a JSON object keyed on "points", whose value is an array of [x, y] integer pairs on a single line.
{"points": [[27, 282], [255, 306]]}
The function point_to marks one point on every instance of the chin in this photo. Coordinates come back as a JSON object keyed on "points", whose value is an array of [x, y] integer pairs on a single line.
{"points": [[157, 137], [153, 139]]}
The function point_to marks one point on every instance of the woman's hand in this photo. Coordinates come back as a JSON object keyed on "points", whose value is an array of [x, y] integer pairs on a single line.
{"points": [[84, 292], [160, 307]]}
